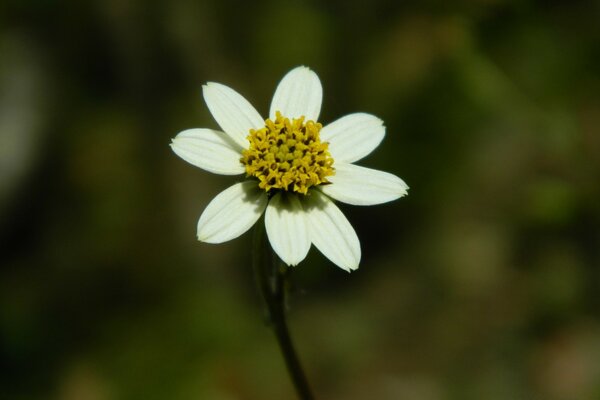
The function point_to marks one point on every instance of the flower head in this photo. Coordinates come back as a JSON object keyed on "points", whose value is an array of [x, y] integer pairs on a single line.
{"points": [[294, 167]]}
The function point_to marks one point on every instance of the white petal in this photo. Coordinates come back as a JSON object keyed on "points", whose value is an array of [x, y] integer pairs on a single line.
{"points": [[234, 114], [231, 213], [298, 94], [331, 232], [210, 150], [362, 186], [353, 137], [287, 230]]}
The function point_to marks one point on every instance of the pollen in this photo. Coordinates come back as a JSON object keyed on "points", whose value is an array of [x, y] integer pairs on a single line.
{"points": [[288, 155]]}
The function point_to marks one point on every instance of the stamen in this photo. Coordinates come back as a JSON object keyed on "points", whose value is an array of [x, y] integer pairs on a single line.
{"points": [[288, 155]]}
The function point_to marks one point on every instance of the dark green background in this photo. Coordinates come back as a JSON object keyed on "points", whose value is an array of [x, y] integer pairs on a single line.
{"points": [[483, 283]]}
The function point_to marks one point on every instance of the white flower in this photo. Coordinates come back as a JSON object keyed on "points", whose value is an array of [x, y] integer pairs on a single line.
{"points": [[294, 167]]}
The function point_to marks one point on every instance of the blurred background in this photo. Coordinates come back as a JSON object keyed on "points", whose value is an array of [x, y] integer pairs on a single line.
{"points": [[483, 283]]}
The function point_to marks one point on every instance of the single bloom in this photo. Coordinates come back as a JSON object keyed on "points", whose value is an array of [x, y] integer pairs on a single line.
{"points": [[294, 167]]}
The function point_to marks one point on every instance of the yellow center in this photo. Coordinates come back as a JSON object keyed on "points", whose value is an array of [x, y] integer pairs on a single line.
{"points": [[288, 155]]}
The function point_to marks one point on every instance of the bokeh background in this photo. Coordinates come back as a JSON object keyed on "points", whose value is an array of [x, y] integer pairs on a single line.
{"points": [[483, 283]]}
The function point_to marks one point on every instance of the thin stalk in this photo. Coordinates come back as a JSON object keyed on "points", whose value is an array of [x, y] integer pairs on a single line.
{"points": [[271, 276]]}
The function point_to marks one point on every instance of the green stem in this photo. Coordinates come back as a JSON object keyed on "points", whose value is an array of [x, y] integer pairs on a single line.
{"points": [[271, 276]]}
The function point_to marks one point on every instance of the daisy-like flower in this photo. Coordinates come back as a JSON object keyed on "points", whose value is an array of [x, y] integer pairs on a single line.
{"points": [[294, 168]]}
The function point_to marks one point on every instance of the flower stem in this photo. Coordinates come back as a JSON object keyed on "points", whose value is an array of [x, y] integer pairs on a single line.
{"points": [[271, 276]]}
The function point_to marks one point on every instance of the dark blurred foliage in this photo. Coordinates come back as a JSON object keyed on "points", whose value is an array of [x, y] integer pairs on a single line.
{"points": [[483, 283]]}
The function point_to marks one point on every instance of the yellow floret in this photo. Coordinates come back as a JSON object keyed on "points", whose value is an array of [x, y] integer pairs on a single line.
{"points": [[288, 155]]}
